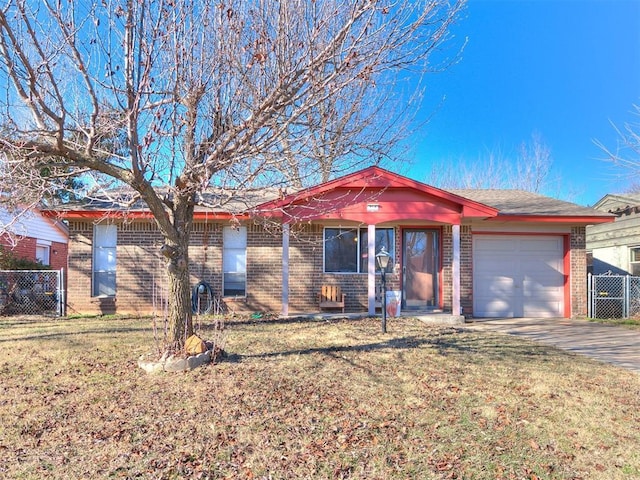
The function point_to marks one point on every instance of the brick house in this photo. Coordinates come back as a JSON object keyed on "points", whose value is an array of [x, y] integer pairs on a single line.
{"points": [[33, 236], [483, 253]]}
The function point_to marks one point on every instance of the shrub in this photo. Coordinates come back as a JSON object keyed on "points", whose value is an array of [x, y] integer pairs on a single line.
{"points": [[9, 261]]}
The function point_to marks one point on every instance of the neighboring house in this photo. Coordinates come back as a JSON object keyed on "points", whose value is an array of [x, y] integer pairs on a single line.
{"points": [[483, 253], [33, 236], [615, 247]]}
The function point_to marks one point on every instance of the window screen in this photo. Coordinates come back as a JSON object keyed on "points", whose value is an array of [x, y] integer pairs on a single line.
{"points": [[105, 239], [234, 261]]}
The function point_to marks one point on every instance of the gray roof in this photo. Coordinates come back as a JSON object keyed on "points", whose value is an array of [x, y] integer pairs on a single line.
{"points": [[507, 202], [213, 200], [520, 202], [612, 202]]}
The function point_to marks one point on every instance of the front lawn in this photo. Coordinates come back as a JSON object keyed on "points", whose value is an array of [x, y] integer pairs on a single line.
{"points": [[310, 400], [633, 323]]}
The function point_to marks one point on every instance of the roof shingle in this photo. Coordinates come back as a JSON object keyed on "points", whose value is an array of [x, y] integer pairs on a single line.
{"points": [[521, 202]]}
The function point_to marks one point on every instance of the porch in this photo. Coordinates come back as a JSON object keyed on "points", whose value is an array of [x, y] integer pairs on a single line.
{"points": [[429, 317], [419, 226]]}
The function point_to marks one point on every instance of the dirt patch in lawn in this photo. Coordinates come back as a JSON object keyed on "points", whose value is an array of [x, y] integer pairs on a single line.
{"points": [[310, 399]]}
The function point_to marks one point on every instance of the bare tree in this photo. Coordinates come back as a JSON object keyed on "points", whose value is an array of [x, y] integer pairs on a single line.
{"points": [[170, 97], [529, 169], [634, 188], [626, 156]]}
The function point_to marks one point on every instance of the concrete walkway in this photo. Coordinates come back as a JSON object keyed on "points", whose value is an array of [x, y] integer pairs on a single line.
{"points": [[607, 343]]}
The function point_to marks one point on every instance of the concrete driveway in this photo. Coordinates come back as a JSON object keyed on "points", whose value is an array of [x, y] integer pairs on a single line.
{"points": [[607, 343]]}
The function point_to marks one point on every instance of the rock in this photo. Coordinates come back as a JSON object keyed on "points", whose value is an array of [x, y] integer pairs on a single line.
{"points": [[194, 345], [170, 363], [150, 367], [199, 360], [173, 364]]}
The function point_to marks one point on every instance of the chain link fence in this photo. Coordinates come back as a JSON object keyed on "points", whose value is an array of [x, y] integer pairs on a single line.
{"points": [[614, 296], [31, 292]]}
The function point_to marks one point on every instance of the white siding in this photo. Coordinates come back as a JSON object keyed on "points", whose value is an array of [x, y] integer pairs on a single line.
{"points": [[31, 224]]}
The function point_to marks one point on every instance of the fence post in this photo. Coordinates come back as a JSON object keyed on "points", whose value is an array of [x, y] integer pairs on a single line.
{"points": [[589, 295], [61, 293], [627, 296]]}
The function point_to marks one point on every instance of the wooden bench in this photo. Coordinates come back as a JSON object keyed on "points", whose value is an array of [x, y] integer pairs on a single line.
{"points": [[378, 297], [331, 296]]}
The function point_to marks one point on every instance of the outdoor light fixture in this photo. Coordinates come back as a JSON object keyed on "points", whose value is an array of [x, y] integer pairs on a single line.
{"points": [[382, 259]]}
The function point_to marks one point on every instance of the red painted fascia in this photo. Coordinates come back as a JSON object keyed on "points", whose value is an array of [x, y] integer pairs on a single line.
{"points": [[369, 179]]}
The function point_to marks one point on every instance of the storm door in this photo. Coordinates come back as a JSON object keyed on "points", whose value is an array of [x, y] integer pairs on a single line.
{"points": [[421, 264]]}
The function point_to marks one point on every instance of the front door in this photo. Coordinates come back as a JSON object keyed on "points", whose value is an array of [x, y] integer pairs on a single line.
{"points": [[421, 264]]}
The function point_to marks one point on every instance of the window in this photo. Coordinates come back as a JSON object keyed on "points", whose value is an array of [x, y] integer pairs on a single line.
{"points": [[634, 261], [42, 252], [384, 238], [234, 261], [104, 260], [346, 250], [340, 250]]}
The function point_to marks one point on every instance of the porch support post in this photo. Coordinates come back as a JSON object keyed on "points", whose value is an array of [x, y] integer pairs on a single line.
{"points": [[455, 270], [371, 268], [285, 269]]}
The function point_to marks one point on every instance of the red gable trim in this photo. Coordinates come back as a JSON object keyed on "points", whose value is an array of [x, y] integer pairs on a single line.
{"points": [[369, 179]]}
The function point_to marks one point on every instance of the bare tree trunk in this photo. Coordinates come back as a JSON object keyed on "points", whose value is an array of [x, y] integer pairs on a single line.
{"points": [[176, 250], [179, 319]]}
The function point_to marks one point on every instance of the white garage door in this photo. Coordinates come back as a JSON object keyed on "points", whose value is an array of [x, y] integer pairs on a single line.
{"points": [[518, 276]]}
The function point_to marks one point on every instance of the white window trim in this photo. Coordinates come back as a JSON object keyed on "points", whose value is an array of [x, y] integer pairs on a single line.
{"points": [[46, 245], [94, 270], [632, 263], [224, 266]]}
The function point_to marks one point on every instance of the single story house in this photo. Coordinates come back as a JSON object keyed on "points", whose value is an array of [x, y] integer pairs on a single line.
{"points": [[481, 253], [615, 247], [31, 235]]}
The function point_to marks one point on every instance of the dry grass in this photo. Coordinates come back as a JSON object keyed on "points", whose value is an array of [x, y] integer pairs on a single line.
{"points": [[310, 399], [633, 323]]}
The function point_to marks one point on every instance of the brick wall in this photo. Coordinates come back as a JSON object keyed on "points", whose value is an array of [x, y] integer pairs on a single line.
{"points": [[20, 247], [578, 272], [264, 269], [466, 270], [58, 256], [141, 281], [138, 274], [79, 276], [305, 267], [446, 277], [205, 256], [142, 285]]}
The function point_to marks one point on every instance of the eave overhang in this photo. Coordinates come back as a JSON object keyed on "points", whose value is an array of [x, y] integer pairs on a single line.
{"points": [[132, 215]]}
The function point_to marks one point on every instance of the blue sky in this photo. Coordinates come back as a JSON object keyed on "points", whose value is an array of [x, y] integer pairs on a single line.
{"points": [[565, 69]]}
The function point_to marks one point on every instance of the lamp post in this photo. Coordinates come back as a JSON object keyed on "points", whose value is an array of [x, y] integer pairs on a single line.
{"points": [[382, 258]]}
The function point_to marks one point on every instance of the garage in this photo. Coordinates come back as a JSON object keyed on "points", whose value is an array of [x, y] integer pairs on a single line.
{"points": [[518, 276]]}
